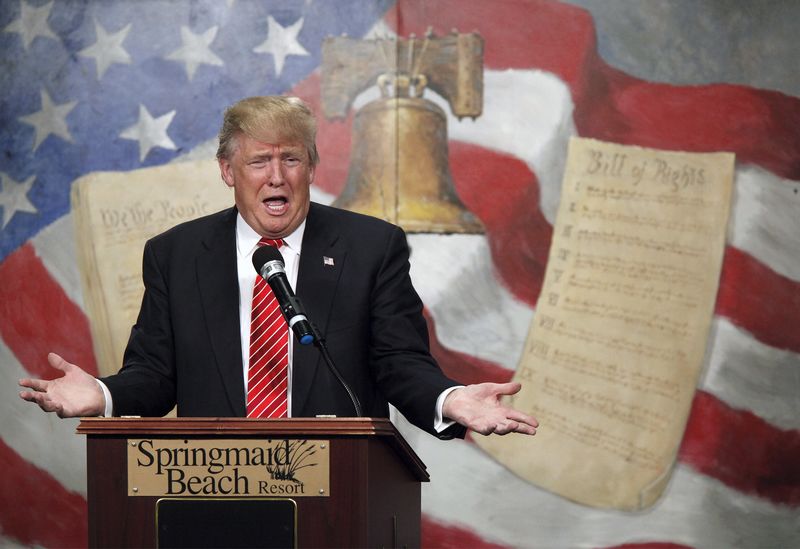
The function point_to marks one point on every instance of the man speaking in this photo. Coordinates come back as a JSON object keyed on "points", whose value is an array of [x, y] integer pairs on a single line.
{"points": [[211, 337]]}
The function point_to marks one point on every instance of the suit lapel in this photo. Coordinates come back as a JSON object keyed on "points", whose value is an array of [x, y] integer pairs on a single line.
{"points": [[321, 261], [218, 283]]}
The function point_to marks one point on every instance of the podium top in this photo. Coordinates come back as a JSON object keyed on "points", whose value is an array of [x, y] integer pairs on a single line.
{"points": [[330, 428]]}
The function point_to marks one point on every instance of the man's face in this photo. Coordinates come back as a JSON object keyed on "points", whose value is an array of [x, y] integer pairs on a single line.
{"points": [[271, 184]]}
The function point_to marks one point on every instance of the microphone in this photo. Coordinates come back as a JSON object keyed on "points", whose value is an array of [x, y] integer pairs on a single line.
{"points": [[269, 265], [268, 262]]}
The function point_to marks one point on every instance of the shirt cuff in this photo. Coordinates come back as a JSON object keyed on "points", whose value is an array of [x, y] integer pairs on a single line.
{"points": [[440, 423], [109, 408]]}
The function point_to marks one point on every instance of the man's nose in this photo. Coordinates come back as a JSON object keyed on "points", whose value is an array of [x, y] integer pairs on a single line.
{"points": [[275, 173]]}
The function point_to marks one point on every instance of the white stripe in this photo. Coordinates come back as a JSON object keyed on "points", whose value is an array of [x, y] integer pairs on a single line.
{"points": [[270, 352], [262, 318], [8, 543], [495, 504], [474, 312], [765, 220], [747, 374], [321, 197], [380, 30], [43, 439]]}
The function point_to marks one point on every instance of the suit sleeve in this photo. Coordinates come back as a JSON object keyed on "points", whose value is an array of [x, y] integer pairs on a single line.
{"points": [[146, 383], [405, 371]]}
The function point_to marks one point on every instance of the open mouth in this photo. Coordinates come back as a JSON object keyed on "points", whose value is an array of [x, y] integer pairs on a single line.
{"points": [[276, 205]]}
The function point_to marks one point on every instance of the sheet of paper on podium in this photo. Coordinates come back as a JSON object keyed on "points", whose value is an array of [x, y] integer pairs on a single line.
{"points": [[616, 346], [114, 214]]}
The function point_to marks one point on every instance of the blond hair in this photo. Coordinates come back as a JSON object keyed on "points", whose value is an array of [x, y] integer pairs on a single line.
{"points": [[287, 119]]}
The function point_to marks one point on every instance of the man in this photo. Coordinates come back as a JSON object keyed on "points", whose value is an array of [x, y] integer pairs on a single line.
{"points": [[191, 343]]}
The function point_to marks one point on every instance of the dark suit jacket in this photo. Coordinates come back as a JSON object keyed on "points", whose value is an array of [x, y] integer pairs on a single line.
{"points": [[185, 347]]}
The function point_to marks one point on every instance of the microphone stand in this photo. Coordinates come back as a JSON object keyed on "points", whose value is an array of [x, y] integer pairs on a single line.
{"points": [[319, 341]]}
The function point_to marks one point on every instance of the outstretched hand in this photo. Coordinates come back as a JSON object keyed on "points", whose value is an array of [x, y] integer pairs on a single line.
{"points": [[75, 394], [478, 407]]}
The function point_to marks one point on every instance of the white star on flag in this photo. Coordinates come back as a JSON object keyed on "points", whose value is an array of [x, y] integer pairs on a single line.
{"points": [[50, 119], [107, 48], [32, 22], [13, 197], [281, 42], [150, 132], [195, 50]]}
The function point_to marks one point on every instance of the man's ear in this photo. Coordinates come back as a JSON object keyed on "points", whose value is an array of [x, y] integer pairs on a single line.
{"points": [[226, 171]]}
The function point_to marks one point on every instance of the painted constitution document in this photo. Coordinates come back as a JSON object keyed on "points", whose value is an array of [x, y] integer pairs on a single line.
{"points": [[616, 346], [114, 214]]}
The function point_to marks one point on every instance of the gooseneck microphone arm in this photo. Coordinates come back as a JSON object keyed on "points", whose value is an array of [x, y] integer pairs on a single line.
{"points": [[319, 341], [269, 265]]}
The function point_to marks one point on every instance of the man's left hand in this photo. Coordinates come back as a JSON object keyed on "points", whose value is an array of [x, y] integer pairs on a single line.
{"points": [[478, 407]]}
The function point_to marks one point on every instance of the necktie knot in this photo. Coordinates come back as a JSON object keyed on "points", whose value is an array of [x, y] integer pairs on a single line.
{"points": [[275, 243]]}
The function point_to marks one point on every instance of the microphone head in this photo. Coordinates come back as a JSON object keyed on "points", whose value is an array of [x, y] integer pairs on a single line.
{"points": [[265, 254]]}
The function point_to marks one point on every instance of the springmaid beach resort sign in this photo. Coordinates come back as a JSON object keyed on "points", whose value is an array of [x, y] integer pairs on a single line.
{"points": [[219, 468]]}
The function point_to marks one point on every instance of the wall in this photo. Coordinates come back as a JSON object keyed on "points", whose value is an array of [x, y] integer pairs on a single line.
{"points": [[674, 75]]}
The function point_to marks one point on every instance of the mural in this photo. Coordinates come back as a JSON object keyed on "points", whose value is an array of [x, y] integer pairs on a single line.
{"points": [[116, 86]]}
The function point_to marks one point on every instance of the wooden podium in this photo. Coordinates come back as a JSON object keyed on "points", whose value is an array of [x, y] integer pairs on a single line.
{"points": [[306, 482]]}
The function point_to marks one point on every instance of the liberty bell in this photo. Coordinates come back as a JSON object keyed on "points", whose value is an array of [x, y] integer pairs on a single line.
{"points": [[399, 168]]}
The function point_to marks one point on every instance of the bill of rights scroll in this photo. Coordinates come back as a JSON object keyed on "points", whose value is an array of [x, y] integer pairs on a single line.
{"points": [[617, 343]]}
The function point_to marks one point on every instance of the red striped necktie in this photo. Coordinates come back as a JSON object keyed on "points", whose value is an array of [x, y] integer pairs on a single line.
{"points": [[268, 379]]}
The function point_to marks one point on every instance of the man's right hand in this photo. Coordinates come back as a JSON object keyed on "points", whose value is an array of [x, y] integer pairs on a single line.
{"points": [[75, 394]]}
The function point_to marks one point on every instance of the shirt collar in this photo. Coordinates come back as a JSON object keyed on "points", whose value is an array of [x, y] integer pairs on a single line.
{"points": [[247, 239]]}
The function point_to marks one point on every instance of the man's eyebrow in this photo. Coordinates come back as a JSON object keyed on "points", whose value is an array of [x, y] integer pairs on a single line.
{"points": [[260, 156]]}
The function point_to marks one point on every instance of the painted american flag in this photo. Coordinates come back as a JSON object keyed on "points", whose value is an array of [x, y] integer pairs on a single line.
{"points": [[88, 86]]}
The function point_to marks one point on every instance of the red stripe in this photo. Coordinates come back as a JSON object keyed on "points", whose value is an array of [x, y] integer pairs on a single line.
{"points": [[761, 301], [35, 509], [37, 317], [758, 125], [503, 192], [742, 450], [436, 534]]}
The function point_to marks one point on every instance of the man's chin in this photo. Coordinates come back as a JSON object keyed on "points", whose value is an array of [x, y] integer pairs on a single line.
{"points": [[277, 226]]}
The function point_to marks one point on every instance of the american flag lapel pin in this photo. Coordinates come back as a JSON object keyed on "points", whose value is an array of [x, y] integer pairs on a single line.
{"points": [[327, 261]]}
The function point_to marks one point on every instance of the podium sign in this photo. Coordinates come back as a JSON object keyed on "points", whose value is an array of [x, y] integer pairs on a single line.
{"points": [[328, 482], [228, 467]]}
